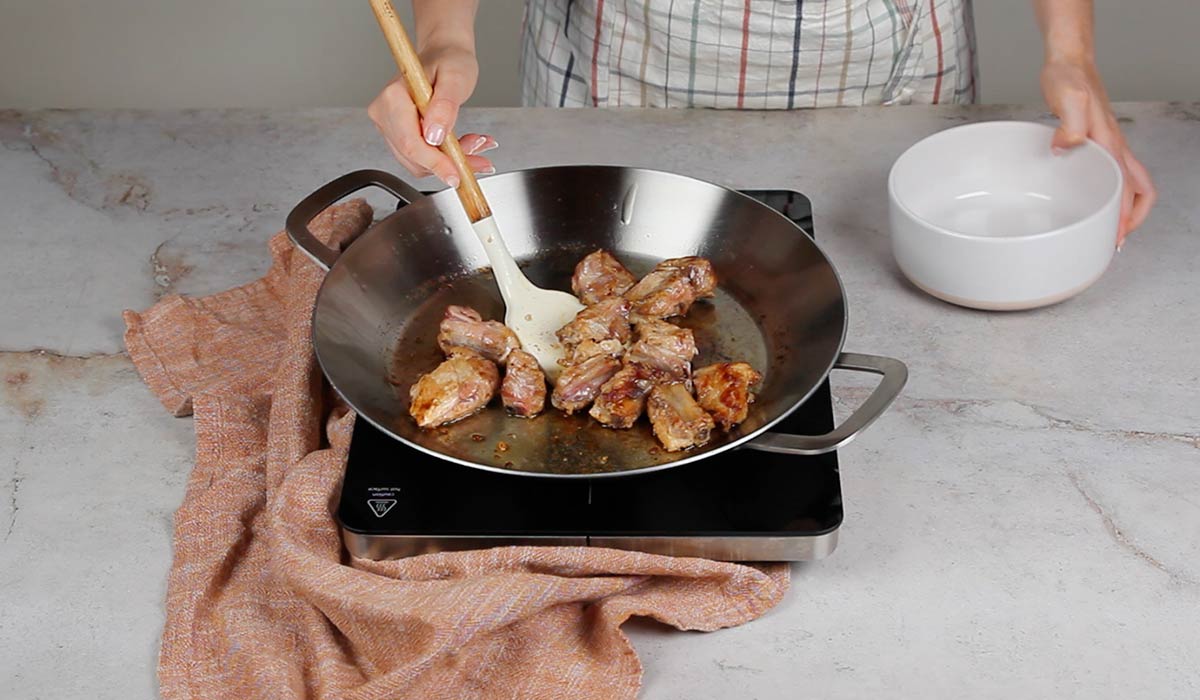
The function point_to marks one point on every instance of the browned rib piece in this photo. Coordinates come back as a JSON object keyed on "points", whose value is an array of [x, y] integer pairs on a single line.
{"points": [[579, 384], [600, 276], [723, 390], [678, 421], [457, 388], [604, 320], [463, 327], [664, 351], [524, 388], [671, 288], [590, 348], [622, 398]]}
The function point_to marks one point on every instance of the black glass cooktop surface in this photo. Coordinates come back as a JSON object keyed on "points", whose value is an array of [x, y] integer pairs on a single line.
{"points": [[740, 504]]}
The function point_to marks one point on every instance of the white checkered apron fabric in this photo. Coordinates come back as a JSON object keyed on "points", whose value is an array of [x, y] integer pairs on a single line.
{"points": [[747, 54]]}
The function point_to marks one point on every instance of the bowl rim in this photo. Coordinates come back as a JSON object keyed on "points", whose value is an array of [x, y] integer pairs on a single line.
{"points": [[1000, 240]]}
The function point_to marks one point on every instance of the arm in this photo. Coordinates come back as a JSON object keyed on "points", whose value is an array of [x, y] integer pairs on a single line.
{"points": [[1073, 89], [445, 39]]}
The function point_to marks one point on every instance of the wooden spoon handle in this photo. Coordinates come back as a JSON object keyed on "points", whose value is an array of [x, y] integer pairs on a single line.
{"points": [[421, 91]]}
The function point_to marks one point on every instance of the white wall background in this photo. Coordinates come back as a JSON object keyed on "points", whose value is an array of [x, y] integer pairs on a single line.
{"points": [[296, 53]]}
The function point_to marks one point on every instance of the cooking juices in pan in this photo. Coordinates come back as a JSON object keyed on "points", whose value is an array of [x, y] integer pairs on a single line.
{"points": [[724, 332]]}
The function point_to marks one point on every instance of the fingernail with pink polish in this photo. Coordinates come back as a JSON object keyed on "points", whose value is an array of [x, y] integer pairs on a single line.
{"points": [[489, 170], [434, 134], [492, 146], [1057, 150], [452, 181], [476, 144]]}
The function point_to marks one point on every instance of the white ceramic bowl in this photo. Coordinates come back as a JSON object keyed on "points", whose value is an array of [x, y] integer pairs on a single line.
{"points": [[984, 215]]}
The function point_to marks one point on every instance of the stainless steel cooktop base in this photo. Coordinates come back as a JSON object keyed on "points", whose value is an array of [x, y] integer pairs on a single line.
{"points": [[720, 548]]}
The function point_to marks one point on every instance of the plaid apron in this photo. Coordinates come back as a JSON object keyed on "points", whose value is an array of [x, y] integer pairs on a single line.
{"points": [[747, 54]]}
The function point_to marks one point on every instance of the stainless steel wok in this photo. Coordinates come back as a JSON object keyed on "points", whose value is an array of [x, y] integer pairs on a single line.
{"points": [[780, 307]]}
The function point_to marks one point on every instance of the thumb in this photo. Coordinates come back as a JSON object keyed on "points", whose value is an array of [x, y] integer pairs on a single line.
{"points": [[451, 89], [1073, 112]]}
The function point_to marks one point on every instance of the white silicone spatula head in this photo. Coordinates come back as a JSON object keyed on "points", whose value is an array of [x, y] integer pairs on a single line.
{"points": [[534, 314]]}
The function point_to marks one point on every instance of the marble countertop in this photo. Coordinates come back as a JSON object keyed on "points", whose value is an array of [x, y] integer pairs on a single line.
{"points": [[1025, 522]]}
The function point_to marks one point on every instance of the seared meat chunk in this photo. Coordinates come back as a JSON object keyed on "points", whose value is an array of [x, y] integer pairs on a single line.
{"points": [[678, 421], [723, 390], [664, 351], [671, 288], [699, 272], [524, 388], [600, 276], [604, 320], [591, 348], [579, 384], [457, 388], [463, 327], [660, 294], [622, 398]]}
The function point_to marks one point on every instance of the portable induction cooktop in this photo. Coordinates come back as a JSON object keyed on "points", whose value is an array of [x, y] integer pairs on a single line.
{"points": [[739, 505]]}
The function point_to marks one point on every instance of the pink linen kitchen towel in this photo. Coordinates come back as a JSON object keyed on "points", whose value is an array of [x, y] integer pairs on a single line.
{"points": [[264, 602]]}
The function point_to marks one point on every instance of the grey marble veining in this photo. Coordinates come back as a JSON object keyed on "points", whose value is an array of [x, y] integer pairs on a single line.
{"points": [[1025, 522]]}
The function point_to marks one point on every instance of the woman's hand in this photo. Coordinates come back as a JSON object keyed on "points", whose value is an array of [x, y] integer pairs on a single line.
{"points": [[453, 71], [1075, 93]]}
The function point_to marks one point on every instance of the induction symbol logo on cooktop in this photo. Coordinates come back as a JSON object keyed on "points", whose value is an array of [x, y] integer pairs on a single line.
{"points": [[381, 506]]}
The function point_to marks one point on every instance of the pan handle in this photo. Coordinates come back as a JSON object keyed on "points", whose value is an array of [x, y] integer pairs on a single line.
{"points": [[328, 195], [895, 374]]}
